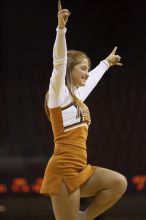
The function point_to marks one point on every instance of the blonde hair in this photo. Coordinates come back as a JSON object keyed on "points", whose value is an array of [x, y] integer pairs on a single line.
{"points": [[45, 105], [74, 57]]}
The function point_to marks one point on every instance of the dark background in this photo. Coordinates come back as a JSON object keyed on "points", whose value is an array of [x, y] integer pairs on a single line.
{"points": [[118, 104]]}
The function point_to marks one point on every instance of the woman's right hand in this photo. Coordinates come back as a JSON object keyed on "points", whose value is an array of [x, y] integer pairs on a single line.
{"points": [[63, 15]]}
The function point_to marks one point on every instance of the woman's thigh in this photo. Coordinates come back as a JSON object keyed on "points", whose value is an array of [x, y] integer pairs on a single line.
{"points": [[102, 179], [66, 204]]}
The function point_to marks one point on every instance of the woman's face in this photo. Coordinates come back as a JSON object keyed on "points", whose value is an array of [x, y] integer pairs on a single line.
{"points": [[80, 73]]}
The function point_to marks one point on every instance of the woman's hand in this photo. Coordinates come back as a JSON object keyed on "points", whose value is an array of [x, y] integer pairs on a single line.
{"points": [[63, 15], [114, 59]]}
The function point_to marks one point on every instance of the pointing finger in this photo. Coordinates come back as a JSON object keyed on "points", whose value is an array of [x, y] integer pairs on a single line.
{"points": [[59, 6], [114, 50]]}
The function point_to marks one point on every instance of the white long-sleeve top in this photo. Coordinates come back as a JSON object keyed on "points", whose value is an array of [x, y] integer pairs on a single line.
{"points": [[58, 92]]}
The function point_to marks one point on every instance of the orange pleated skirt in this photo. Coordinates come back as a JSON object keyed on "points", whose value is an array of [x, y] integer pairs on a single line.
{"points": [[69, 159]]}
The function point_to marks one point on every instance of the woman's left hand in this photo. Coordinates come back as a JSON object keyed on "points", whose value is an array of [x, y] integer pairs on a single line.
{"points": [[114, 59]]}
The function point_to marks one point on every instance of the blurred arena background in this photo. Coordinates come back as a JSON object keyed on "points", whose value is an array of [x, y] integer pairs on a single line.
{"points": [[117, 135]]}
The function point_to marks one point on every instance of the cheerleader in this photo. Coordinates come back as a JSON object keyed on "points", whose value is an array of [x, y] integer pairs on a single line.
{"points": [[68, 176]]}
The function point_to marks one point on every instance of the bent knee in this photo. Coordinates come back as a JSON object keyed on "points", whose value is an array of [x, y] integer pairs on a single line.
{"points": [[120, 184]]}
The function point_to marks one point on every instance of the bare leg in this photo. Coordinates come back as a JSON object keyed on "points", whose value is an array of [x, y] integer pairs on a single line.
{"points": [[107, 186], [66, 204]]}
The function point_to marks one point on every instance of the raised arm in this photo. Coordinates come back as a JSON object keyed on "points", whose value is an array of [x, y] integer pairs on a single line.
{"points": [[57, 80], [60, 43], [96, 74]]}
